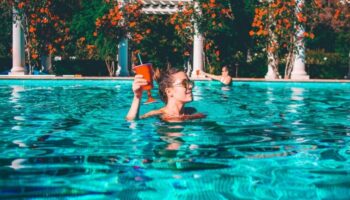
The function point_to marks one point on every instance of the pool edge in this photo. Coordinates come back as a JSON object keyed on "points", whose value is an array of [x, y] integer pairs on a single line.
{"points": [[72, 77]]}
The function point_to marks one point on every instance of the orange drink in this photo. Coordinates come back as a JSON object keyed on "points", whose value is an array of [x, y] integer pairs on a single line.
{"points": [[147, 72]]}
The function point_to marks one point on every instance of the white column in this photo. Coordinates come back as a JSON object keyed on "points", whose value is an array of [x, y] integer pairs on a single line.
{"points": [[270, 73], [18, 59], [298, 71], [123, 57], [197, 48], [197, 54]]}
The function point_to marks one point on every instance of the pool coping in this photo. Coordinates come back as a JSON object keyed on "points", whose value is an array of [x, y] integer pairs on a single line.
{"points": [[78, 77]]}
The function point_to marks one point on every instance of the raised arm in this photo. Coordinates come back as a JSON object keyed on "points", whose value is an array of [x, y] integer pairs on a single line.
{"points": [[135, 105], [212, 76]]}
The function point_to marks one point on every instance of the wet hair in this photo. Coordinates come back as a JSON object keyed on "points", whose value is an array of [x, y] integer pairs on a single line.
{"points": [[227, 67], [165, 80]]}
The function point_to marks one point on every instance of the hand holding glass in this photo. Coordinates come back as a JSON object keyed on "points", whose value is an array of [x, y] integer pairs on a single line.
{"points": [[147, 72]]}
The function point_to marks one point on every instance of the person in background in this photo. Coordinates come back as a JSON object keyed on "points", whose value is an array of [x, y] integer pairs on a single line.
{"points": [[225, 78], [175, 90]]}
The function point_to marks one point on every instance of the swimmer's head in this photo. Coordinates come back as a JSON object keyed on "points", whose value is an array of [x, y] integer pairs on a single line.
{"points": [[174, 84], [225, 71]]}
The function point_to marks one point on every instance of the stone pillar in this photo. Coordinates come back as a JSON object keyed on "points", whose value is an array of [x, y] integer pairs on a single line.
{"points": [[197, 54], [123, 57], [197, 49], [18, 57], [270, 73], [298, 71]]}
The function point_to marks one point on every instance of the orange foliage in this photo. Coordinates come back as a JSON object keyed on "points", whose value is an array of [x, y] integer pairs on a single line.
{"points": [[281, 19], [35, 56], [21, 5], [120, 20], [44, 27]]}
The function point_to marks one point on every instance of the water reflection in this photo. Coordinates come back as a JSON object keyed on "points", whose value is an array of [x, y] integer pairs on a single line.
{"points": [[197, 93], [226, 88], [16, 93], [297, 93], [296, 102], [78, 146], [174, 146], [15, 100], [18, 164], [171, 137], [269, 95], [183, 142]]}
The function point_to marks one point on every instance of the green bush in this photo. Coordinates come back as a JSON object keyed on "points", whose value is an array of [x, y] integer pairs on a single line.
{"points": [[322, 64], [5, 64], [83, 67]]}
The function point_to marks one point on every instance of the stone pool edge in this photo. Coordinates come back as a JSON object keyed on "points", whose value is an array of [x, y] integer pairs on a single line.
{"points": [[74, 77]]}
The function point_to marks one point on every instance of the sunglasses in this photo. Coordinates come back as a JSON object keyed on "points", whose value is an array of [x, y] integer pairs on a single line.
{"points": [[186, 83]]}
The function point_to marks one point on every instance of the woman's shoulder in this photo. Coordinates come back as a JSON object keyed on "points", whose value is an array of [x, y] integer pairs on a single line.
{"points": [[153, 113], [190, 114], [168, 118]]}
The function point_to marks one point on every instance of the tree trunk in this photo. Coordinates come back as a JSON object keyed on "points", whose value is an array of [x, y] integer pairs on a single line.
{"points": [[210, 67], [46, 63], [110, 66], [273, 61], [272, 51], [290, 58], [236, 67], [289, 64], [349, 67]]}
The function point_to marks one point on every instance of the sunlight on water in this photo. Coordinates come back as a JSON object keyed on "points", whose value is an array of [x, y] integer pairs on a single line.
{"points": [[69, 139]]}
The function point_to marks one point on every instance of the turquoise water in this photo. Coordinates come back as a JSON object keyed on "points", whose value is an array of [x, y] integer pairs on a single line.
{"points": [[69, 140]]}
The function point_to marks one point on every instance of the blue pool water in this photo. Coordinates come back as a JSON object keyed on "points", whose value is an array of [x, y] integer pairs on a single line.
{"points": [[68, 139]]}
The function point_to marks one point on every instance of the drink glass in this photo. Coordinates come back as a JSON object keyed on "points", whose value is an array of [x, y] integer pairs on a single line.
{"points": [[147, 72]]}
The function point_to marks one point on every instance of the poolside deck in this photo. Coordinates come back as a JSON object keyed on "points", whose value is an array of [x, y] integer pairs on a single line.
{"points": [[78, 77]]}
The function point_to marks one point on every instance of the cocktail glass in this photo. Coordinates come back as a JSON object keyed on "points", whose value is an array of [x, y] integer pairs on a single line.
{"points": [[146, 71]]}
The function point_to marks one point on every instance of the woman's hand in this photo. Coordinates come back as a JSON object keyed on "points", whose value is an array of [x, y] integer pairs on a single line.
{"points": [[204, 74], [139, 81]]}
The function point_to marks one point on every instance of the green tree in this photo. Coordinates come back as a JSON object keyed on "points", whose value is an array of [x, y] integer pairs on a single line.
{"points": [[5, 33], [44, 30]]}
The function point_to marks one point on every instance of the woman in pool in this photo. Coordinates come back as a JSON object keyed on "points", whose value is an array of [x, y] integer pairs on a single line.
{"points": [[225, 78], [175, 90]]}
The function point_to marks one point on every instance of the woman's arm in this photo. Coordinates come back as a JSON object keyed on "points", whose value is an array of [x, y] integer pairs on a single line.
{"points": [[134, 109], [212, 76], [135, 105]]}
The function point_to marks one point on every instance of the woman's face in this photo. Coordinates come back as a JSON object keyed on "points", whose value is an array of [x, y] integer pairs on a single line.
{"points": [[181, 89], [224, 71]]}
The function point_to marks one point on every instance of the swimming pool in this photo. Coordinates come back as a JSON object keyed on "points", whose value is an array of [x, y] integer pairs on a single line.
{"points": [[262, 140]]}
